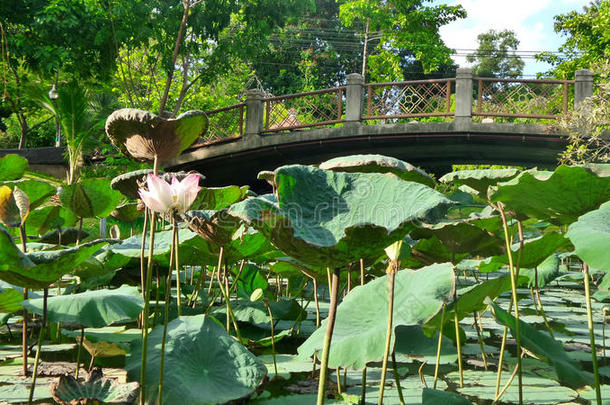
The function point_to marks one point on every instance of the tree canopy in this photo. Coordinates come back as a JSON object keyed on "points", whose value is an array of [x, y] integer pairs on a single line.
{"points": [[495, 56]]}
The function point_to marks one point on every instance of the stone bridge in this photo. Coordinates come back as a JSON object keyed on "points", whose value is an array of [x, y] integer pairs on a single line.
{"points": [[430, 123]]}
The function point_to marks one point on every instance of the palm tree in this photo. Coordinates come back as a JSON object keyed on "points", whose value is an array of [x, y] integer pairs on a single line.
{"points": [[81, 116]]}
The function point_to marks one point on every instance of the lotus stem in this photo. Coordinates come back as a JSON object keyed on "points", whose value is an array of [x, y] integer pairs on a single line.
{"points": [[24, 336], [508, 383], [168, 297], [539, 300], [230, 316], [272, 335], [329, 281], [501, 358], [35, 371], [513, 282], [315, 297], [338, 372], [458, 343], [604, 315], [363, 394], [328, 337], [598, 394], [80, 229], [241, 268], [363, 390], [177, 261], [80, 349], [211, 280], [397, 378], [388, 338], [142, 249], [439, 347], [480, 339], [145, 312]]}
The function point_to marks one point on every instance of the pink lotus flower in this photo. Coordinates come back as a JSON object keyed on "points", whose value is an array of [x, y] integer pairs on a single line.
{"points": [[176, 197]]}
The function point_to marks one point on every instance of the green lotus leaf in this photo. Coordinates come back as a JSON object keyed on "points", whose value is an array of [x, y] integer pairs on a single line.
{"points": [[95, 389], [546, 348], [68, 236], [42, 219], [92, 308], [412, 343], [560, 198], [436, 397], [256, 312], [12, 167], [361, 322], [203, 363], [535, 251], [429, 251], [378, 164], [546, 272], [108, 341], [462, 236], [471, 299], [126, 212], [10, 300], [218, 198], [128, 183], [143, 136], [90, 198], [42, 268], [10, 255], [591, 237], [250, 279], [330, 218], [479, 180]]}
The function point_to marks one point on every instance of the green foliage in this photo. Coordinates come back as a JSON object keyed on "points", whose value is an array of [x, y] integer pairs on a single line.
{"points": [[402, 26], [587, 43], [495, 56]]}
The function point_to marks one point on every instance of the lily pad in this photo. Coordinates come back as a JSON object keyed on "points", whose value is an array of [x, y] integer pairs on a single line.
{"points": [[436, 397], [12, 167], [361, 323], [143, 135], [412, 343], [559, 198], [92, 308], [378, 164], [591, 237], [95, 389], [331, 219], [90, 198], [203, 363], [545, 347]]}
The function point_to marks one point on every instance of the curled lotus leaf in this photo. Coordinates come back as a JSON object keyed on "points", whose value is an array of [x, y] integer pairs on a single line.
{"points": [[327, 218], [479, 180], [38, 192], [217, 227], [378, 164], [143, 135], [96, 389], [69, 235], [128, 183], [591, 237]]}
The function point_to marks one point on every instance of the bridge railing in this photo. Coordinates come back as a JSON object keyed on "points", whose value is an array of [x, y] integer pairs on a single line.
{"points": [[304, 110], [522, 98], [408, 99], [461, 98]]}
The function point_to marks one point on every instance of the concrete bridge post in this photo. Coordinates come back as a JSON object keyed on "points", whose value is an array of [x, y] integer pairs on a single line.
{"points": [[583, 85], [354, 94], [255, 112], [463, 96]]}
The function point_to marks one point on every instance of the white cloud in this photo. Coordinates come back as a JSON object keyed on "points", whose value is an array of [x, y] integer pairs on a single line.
{"points": [[531, 20]]}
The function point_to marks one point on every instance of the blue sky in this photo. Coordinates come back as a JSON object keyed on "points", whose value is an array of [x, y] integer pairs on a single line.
{"points": [[532, 21]]}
